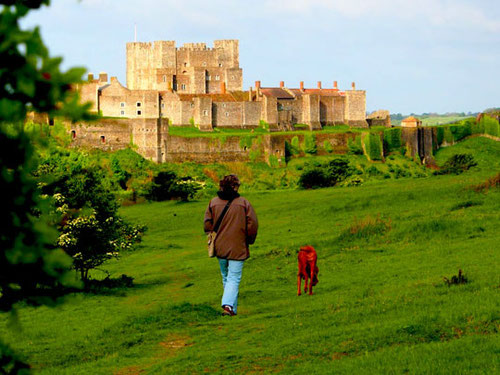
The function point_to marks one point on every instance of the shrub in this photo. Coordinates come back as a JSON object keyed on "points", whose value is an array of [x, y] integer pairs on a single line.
{"points": [[310, 144], [459, 132], [457, 164], [328, 146], [324, 175], [490, 183], [166, 185], [295, 149], [490, 125], [273, 161], [392, 139], [373, 146], [354, 146], [264, 125]]}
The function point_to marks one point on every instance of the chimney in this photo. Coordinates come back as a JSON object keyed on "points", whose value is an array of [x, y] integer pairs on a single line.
{"points": [[282, 84], [257, 85], [103, 77], [223, 87], [91, 77], [319, 85], [353, 85], [250, 94], [114, 79], [302, 86], [335, 85]]}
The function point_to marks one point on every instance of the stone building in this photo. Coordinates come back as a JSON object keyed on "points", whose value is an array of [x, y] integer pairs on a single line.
{"points": [[199, 86], [411, 122]]}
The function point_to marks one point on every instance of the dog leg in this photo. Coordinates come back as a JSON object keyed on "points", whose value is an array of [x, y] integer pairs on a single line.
{"points": [[305, 282], [312, 278], [299, 281]]}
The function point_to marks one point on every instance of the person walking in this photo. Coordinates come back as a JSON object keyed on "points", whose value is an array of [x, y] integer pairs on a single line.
{"points": [[237, 230]]}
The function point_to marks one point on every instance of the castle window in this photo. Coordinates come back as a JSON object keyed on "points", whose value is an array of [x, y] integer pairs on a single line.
{"points": [[122, 113], [73, 134], [217, 78], [209, 78], [204, 63], [103, 139], [164, 78], [122, 104], [163, 105], [220, 65], [183, 86], [205, 112], [139, 112], [227, 114], [185, 64], [138, 104], [232, 78]]}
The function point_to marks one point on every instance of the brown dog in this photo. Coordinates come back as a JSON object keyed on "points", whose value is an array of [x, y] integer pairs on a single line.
{"points": [[307, 268]]}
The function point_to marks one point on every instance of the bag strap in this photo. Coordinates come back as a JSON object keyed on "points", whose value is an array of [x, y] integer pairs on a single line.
{"points": [[219, 220]]}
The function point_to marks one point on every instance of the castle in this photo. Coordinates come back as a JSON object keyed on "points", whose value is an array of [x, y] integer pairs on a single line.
{"points": [[199, 86]]}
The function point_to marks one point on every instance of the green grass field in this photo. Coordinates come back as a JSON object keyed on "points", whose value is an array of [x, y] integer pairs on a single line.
{"points": [[381, 305]]}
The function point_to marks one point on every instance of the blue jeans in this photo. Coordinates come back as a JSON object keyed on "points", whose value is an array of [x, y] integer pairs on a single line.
{"points": [[231, 271]]}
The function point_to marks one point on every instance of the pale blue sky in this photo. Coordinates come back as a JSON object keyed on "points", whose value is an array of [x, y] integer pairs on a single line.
{"points": [[410, 56]]}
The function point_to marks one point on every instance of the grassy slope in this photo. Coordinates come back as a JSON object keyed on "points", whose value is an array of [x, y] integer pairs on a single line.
{"points": [[380, 306]]}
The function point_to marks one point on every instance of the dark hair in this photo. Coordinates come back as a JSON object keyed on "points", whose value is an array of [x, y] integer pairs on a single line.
{"points": [[229, 183]]}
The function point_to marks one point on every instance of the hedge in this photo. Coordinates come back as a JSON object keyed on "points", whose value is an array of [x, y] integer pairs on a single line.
{"points": [[373, 146]]}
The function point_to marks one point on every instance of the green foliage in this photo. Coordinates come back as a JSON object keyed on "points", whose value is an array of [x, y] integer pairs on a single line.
{"points": [[373, 146], [440, 135], [448, 135], [254, 155], [354, 146], [10, 363], [460, 131], [392, 139], [295, 149], [264, 125], [328, 146], [166, 185], [326, 174], [246, 142], [309, 146], [273, 161], [191, 121], [490, 125], [29, 267], [457, 164]]}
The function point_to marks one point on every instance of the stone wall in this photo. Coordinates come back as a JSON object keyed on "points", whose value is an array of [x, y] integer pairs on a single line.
{"points": [[107, 134], [420, 142], [355, 108]]}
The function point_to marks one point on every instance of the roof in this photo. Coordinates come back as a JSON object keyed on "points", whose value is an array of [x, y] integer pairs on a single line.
{"points": [[322, 92], [215, 97], [241, 96], [410, 119], [276, 92], [103, 87]]}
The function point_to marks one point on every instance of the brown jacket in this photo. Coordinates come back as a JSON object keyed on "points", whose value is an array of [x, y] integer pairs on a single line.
{"points": [[237, 230]]}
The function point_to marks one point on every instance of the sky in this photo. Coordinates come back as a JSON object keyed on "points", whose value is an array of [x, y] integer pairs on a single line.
{"points": [[411, 56]]}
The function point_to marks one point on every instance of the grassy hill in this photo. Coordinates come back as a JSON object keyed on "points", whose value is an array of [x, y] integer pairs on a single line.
{"points": [[381, 305]]}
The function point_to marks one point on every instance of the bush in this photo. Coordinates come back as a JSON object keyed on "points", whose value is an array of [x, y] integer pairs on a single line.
{"points": [[166, 185], [324, 175], [392, 139], [373, 146], [490, 125], [310, 144], [457, 164], [328, 146], [366, 228], [354, 146], [295, 149]]}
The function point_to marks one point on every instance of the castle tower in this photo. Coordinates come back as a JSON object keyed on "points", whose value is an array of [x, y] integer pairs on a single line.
{"points": [[191, 69]]}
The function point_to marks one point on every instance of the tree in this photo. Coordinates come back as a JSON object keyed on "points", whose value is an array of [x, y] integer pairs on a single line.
{"points": [[31, 268]]}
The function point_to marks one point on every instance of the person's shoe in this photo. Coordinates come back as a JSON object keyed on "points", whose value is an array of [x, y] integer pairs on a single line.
{"points": [[228, 310]]}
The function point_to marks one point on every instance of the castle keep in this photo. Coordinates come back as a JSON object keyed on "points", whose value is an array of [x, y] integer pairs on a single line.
{"points": [[194, 85]]}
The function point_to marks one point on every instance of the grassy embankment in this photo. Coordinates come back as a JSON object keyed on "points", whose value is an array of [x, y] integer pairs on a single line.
{"points": [[381, 305]]}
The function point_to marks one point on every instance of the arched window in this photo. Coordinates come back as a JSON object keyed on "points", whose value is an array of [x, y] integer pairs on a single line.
{"points": [[103, 139], [73, 134]]}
